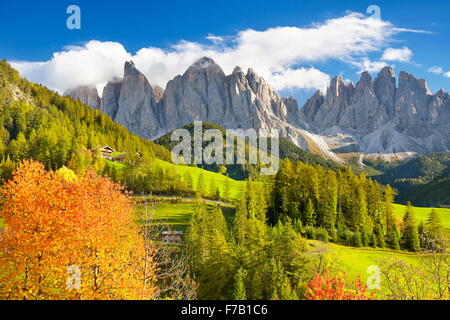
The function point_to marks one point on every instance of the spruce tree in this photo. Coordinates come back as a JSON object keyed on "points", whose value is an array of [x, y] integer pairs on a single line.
{"points": [[201, 186], [410, 232], [388, 220], [241, 220], [434, 234], [434, 225], [310, 214], [188, 181], [239, 292]]}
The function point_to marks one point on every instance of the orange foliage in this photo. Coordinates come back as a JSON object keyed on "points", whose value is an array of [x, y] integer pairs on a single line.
{"points": [[325, 287], [57, 229]]}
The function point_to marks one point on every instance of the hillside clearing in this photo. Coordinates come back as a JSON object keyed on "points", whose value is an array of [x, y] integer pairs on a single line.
{"points": [[422, 215], [235, 187]]}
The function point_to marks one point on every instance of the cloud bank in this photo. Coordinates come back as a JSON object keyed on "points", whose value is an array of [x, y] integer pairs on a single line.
{"points": [[282, 55]]}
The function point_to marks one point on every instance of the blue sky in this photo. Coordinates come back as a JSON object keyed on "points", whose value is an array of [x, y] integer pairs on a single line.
{"points": [[33, 32]]}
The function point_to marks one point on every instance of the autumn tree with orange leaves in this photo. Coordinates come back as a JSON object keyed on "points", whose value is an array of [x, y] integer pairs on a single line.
{"points": [[327, 287], [70, 239]]}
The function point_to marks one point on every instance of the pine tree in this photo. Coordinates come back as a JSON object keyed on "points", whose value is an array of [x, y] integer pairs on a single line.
{"points": [[360, 210], [433, 232], [18, 148], [389, 219], [188, 181], [256, 286], [328, 202], [201, 185], [410, 233], [394, 239], [434, 225], [284, 208], [310, 214], [240, 220], [239, 292]]}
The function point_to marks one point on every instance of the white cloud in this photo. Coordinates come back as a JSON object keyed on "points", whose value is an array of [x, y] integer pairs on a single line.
{"points": [[277, 54], [302, 78], [94, 63], [436, 70], [403, 55], [439, 71], [367, 65]]}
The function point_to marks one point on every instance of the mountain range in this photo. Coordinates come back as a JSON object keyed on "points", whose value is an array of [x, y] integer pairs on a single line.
{"points": [[376, 118]]}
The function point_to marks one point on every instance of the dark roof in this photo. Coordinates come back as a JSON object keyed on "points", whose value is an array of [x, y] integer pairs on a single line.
{"points": [[107, 148], [119, 157]]}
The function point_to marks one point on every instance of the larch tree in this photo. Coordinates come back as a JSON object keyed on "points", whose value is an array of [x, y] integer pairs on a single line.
{"points": [[70, 238]]}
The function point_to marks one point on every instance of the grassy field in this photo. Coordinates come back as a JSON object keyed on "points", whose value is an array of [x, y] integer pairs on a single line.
{"points": [[117, 165], [356, 261], [234, 185], [178, 215], [1, 222], [422, 215]]}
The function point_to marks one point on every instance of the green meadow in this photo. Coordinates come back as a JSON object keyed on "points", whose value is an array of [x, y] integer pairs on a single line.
{"points": [[355, 261], [235, 187], [178, 215], [422, 215]]}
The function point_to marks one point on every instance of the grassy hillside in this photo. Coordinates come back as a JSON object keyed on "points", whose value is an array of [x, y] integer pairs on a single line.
{"points": [[422, 214], [235, 187], [355, 261], [178, 215]]}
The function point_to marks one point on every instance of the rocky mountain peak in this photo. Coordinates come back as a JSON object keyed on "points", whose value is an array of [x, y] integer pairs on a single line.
{"points": [[110, 97], [407, 82], [385, 87], [372, 117], [336, 86], [365, 81], [311, 106], [86, 94], [130, 69], [237, 69], [203, 64], [441, 93], [387, 73], [364, 86], [411, 105]]}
